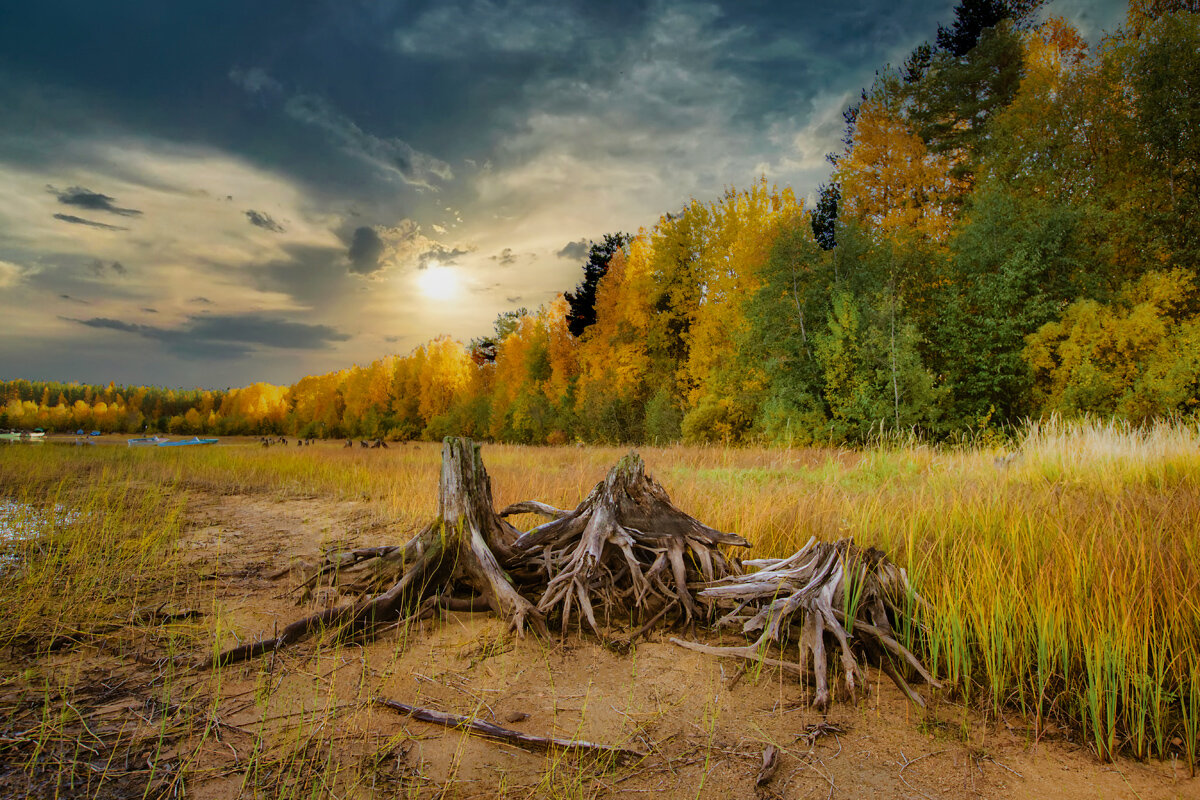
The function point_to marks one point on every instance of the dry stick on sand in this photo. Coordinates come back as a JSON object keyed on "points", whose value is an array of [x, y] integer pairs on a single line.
{"points": [[508, 735], [462, 548], [820, 588], [625, 551], [770, 764]]}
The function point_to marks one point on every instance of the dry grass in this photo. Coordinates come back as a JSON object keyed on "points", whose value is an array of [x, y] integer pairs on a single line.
{"points": [[1063, 572]]}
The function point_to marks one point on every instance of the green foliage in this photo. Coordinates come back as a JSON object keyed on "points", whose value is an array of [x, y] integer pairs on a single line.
{"points": [[1164, 66], [716, 419], [1015, 266], [1135, 357], [1013, 231], [663, 418]]}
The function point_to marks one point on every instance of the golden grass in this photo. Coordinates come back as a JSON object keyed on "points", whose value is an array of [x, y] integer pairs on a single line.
{"points": [[1063, 573]]}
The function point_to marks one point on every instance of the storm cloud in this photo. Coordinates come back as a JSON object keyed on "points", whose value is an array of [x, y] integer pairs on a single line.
{"points": [[389, 155], [496, 136], [226, 337]]}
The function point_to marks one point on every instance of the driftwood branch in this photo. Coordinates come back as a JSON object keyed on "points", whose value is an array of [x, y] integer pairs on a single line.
{"points": [[507, 735]]}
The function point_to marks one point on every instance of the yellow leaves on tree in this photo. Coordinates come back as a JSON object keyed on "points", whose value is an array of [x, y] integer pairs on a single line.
{"points": [[744, 226], [1038, 139], [613, 351], [1136, 357], [447, 371], [891, 180]]}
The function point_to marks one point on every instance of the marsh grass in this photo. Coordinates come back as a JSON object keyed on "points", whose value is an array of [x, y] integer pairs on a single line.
{"points": [[1061, 571], [89, 569]]}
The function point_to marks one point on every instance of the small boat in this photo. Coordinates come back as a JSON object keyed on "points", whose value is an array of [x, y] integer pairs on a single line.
{"points": [[186, 442], [23, 436], [147, 441]]}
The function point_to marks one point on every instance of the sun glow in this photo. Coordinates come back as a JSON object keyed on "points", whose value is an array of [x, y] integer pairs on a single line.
{"points": [[437, 282]]}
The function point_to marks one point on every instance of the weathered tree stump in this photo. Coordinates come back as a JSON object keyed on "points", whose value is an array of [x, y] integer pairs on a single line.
{"points": [[625, 550], [457, 553], [628, 553], [835, 589]]}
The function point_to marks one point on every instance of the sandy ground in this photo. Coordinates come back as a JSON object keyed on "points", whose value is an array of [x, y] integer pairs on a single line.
{"points": [[304, 720]]}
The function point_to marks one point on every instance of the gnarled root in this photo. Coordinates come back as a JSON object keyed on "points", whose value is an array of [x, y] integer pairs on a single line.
{"points": [[460, 552], [623, 551], [835, 590]]}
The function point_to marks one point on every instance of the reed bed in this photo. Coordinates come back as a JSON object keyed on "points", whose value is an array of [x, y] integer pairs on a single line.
{"points": [[1062, 570], [89, 575]]}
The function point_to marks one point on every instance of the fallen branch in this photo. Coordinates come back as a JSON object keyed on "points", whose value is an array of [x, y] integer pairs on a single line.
{"points": [[508, 735]]}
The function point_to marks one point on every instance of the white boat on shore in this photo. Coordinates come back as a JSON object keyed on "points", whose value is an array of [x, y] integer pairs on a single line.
{"points": [[147, 441]]}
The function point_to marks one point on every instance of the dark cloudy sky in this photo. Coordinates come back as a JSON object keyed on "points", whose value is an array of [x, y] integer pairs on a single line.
{"points": [[214, 193]]}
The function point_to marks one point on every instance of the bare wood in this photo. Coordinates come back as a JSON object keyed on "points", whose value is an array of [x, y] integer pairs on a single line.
{"points": [[770, 764], [809, 590], [625, 549], [464, 545], [491, 731], [750, 653], [534, 507]]}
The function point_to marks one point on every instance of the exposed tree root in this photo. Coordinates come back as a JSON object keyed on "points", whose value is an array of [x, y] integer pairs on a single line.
{"points": [[817, 591], [460, 550], [625, 550], [626, 554]]}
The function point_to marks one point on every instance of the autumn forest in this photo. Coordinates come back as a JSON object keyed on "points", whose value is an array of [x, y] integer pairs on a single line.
{"points": [[1011, 231]]}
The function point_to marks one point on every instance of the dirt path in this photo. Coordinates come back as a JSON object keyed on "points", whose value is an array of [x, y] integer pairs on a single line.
{"points": [[302, 720]]}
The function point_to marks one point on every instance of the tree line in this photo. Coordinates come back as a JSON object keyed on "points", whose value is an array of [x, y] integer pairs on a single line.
{"points": [[1011, 230]]}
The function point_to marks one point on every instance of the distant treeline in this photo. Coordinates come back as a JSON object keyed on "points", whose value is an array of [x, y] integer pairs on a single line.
{"points": [[1012, 230]]}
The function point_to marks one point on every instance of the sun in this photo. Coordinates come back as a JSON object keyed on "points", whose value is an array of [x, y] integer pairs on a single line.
{"points": [[437, 282]]}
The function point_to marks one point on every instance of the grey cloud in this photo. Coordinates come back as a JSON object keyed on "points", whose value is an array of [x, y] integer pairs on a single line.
{"points": [[150, 310], [255, 80], [232, 336], [262, 219], [100, 268], [253, 329], [449, 29], [574, 250], [441, 254], [505, 257], [90, 223], [315, 277], [204, 301], [365, 249], [94, 201], [393, 157], [178, 342], [70, 299]]}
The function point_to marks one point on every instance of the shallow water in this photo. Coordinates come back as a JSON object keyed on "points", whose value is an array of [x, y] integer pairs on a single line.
{"points": [[23, 521]]}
